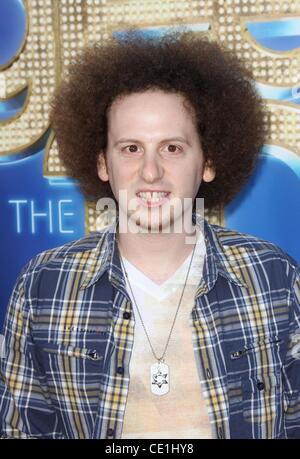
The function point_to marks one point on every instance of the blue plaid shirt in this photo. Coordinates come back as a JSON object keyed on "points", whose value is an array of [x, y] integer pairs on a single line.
{"points": [[69, 332]]}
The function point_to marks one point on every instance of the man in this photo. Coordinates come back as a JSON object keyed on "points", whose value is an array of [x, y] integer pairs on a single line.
{"points": [[143, 330]]}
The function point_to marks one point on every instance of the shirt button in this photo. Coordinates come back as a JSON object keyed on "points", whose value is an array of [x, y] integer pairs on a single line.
{"points": [[120, 370], [260, 385], [126, 315], [110, 432]]}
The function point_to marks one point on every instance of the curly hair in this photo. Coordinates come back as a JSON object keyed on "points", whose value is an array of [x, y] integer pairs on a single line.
{"points": [[230, 115]]}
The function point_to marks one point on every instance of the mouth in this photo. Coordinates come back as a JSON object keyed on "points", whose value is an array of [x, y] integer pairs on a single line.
{"points": [[152, 198]]}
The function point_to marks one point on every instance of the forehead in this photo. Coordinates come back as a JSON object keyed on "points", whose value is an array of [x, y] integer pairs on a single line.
{"points": [[150, 108]]}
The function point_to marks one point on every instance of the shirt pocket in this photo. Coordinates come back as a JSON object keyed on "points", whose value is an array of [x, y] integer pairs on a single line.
{"points": [[257, 386], [73, 374], [70, 363]]}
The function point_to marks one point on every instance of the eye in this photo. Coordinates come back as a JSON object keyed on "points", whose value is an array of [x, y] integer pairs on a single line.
{"points": [[171, 148], [131, 148]]}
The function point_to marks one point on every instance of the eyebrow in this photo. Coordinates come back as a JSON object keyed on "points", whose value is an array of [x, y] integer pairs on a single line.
{"points": [[171, 139]]}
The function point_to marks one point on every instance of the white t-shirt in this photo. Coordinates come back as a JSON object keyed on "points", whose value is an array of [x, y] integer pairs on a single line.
{"points": [[182, 412]]}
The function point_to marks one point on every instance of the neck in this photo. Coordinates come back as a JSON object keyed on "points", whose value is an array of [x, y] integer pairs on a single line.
{"points": [[158, 255]]}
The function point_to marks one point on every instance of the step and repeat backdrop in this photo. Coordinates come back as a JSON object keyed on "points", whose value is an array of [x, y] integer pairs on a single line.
{"points": [[40, 207]]}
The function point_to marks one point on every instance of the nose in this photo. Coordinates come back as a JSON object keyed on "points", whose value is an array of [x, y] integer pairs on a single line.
{"points": [[151, 168]]}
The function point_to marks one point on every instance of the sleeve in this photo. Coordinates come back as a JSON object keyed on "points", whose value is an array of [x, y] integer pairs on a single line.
{"points": [[291, 367], [25, 406]]}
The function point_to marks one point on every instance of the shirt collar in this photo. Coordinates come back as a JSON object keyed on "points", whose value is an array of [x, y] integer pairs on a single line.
{"points": [[218, 259], [104, 258]]}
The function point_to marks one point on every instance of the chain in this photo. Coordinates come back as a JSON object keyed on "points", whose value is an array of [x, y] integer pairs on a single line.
{"points": [[159, 359]]}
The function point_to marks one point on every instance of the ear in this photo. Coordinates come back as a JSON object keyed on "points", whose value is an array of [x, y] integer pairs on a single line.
{"points": [[102, 168], [209, 171]]}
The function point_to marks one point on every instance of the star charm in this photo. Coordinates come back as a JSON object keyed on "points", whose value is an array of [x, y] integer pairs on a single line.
{"points": [[160, 378]]}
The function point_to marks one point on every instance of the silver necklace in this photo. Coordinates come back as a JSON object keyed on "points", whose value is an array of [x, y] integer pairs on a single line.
{"points": [[159, 372]]}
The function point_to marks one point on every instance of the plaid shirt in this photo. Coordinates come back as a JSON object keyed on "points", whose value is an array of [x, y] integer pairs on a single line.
{"points": [[69, 333]]}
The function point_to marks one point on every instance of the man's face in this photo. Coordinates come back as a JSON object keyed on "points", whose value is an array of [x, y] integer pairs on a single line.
{"points": [[154, 153]]}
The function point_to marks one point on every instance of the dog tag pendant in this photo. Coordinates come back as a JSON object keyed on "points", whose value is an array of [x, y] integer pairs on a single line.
{"points": [[160, 378]]}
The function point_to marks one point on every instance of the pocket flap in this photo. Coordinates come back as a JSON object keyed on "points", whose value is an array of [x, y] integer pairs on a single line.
{"points": [[258, 343], [72, 351]]}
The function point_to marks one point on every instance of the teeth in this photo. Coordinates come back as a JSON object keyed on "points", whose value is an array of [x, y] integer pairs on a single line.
{"points": [[155, 196]]}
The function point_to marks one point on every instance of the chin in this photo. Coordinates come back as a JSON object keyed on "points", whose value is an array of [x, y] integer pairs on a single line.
{"points": [[154, 224], [163, 219]]}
